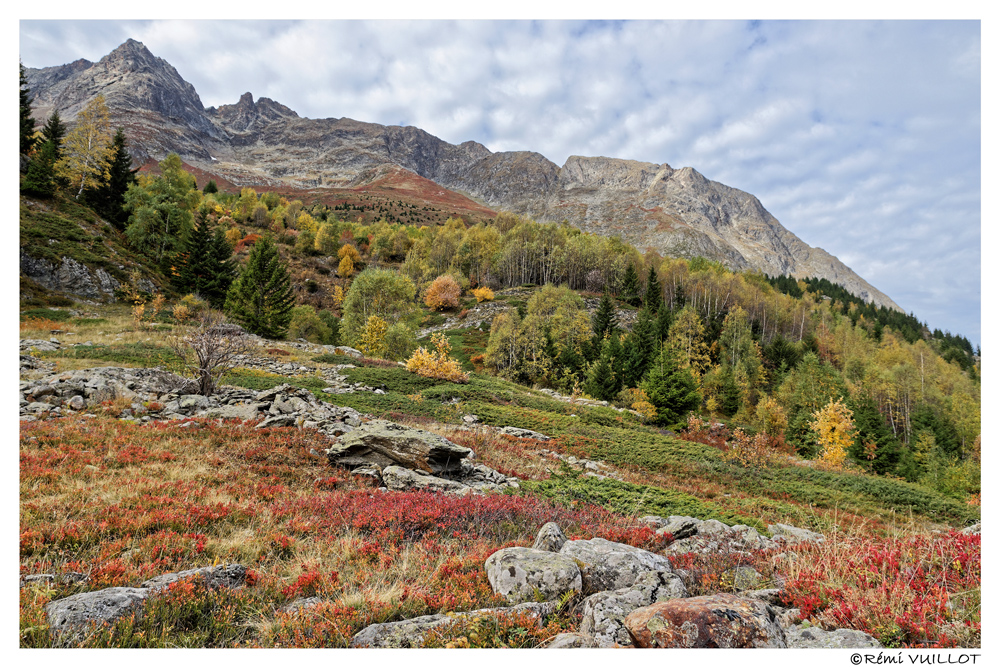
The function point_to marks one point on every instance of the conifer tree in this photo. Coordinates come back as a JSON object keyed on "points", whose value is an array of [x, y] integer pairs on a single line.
{"points": [[874, 445], [261, 297], [630, 285], [664, 318], [605, 322], [654, 293], [600, 382], [670, 388], [40, 179], [640, 349], [108, 198], [206, 268], [54, 131]]}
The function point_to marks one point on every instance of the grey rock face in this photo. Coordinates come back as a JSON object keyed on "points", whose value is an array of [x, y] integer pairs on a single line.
{"points": [[70, 617], [608, 565], [814, 637], [550, 538], [793, 535], [70, 276], [404, 634], [385, 443], [572, 641], [517, 573], [517, 432], [399, 479], [604, 613]]}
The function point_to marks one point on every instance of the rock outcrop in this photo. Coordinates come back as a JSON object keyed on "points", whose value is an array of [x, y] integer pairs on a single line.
{"points": [[386, 443], [721, 620]]}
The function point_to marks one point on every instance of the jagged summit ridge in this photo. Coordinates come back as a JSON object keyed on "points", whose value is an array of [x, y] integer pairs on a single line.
{"points": [[677, 212]]}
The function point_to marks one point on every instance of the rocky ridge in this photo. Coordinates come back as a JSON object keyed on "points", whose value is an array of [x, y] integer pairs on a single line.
{"points": [[677, 212]]}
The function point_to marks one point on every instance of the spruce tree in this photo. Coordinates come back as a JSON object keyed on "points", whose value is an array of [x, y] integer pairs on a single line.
{"points": [[663, 320], [40, 179], [206, 268], [671, 389], [261, 297], [27, 122], [617, 354], [640, 348], [604, 322], [874, 444], [600, 382], [210, 187], [630, 286], [54, 130], [654, 293], [108, 198]]}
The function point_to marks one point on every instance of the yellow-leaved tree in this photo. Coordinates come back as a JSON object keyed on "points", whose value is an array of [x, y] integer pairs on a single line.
{"points": [[437, 364], [834, 425], [88, 150], [443, 293], [372, 339]]}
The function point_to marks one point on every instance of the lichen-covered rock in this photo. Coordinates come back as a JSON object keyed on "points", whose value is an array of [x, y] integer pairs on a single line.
{"points": [[813, 636], [571, 641], [399, 479], [793, 535], [214, 577], [70, 618], [608, 565], [300, 605], [517, 432], [721, 620], [604, 612], [404, 634], [386, 443], [550, 538], [522, 573]]}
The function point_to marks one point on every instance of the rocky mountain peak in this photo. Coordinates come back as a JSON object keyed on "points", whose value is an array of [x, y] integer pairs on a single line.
{"points": [[246, 116]]}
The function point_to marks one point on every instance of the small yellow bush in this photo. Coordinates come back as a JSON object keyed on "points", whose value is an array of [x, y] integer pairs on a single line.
{"points": [[372, 339], [483, 294], [437, 364], [443, 293]]}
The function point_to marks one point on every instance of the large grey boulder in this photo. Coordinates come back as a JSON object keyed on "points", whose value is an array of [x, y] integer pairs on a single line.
{"points": [[405, 634], [522, 573], [518, 432], [386, 443], [813, 637], [399, 479], [608, 565], [572, 641], [604, 612], [70, 618], [721, 620]]}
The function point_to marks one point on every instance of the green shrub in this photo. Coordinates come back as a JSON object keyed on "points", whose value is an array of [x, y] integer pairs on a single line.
{"points": [[45, 314], [306, 324]]}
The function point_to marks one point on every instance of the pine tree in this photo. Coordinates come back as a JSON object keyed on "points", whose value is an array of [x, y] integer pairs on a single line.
{"points": [[108, 198], [206, 268], [670, 388], [604, 322], [600, 382], [261, 297], [210, 187], [664, 318], [27, 122], [874, 445], [654, 293]]}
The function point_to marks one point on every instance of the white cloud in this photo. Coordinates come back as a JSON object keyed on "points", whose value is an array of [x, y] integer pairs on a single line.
{"points": [[862, 137]]}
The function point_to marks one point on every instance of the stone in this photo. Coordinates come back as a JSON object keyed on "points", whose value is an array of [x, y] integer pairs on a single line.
{"points": [[522, 573], [350, 352], [517, 432], [300, 605], [386, 444], [277, 421], [192, 401], [404, 634], [603, 613], [607, 565], [399, 479], [743, 578], [571, 641], [793, 535], [720, 620], [550, 538], [815, 637], [974, 529], [214, 577], [70, 618], [235, 411], [680, 526], [77, 403]]}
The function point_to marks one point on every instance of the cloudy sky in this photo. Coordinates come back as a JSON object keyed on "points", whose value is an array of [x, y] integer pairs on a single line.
{"points": [[861, 137]]}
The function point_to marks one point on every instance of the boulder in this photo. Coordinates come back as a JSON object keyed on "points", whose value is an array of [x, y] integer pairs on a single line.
{"points": [[604, 612], [522, 573], [680, 526], [69, 618], [300, 605], [720, 620], [399, 479], [608, 565], [793, 535], [214, 577], [813, 636], [404, 634], [571, 641], [235, 411], [550, 538], [385, 443], [517, 432]]}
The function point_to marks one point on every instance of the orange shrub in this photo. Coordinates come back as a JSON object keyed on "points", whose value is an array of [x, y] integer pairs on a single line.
{"points": [[483, 294], [443, 293]]}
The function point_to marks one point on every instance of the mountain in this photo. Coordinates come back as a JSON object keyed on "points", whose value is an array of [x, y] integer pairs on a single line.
{"points": [[676, 212]]}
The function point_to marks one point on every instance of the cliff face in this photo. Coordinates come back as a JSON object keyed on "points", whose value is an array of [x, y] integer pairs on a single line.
{"points": [[677, 212]]}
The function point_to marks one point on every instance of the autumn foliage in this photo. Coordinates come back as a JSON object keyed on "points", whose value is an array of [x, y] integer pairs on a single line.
{"points": [[443, 293], [437, 364], [834, 426], [483, 294]]}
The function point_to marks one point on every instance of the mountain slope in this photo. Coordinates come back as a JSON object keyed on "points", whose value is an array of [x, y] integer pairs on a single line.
{"points": [[263, 143]]}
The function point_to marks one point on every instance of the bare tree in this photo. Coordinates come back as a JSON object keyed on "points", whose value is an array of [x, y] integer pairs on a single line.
{"points": [[215, 346]]}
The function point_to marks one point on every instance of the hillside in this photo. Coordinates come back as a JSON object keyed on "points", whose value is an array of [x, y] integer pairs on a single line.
{"points": [[262, 143]]}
